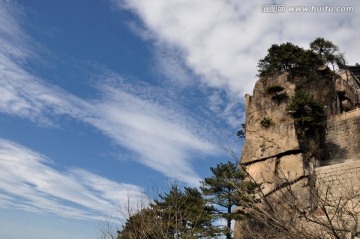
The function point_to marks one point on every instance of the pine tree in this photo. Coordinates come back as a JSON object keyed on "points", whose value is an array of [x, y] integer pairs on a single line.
{"points": [[222, 190], [186, 212], [308, 112], [324, 48], [176, 214], [291, 58], [143, 225]]}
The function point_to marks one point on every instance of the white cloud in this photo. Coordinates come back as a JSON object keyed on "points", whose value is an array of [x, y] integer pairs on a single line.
{"points": [[161, 138], [171, 65], [11, 40], [223, 40], [26, 96], [30, 183], [22, 93]]}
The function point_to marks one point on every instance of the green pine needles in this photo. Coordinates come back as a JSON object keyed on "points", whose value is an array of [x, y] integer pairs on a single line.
{"points": [[298, 61], [308, 112]]}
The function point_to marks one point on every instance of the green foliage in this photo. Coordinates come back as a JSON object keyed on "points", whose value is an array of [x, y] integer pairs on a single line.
{"points": [[176, 214], [277, 93], [190, 213], [241, 132], [266, 122], [222, 189], [223, 183], [284, 57], [308, 112], [186, 212], [307, 64], [144, 224], [326, 49], [340, 60], [296, 60]]}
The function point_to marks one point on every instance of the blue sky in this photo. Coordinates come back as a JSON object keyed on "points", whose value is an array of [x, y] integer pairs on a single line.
{"points": [[100, 99]]}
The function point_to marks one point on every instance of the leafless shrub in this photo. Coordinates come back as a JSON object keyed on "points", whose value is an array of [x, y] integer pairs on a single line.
{"points": [[295, 210]]}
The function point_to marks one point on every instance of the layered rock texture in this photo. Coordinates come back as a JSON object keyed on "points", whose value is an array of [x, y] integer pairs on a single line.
{"points": [[271, 142], [268, 148], [273, 153]]}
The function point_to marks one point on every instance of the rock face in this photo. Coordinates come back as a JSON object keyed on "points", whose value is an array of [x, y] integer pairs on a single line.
{"points": [[348, 89], [263, 142], [342, 138], [272, 148], [272, 151]]}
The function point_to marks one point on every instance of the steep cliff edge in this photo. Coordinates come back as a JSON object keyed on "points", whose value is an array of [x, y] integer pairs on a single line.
{"points": [[272, 142], [268, 147], [275, 151]]}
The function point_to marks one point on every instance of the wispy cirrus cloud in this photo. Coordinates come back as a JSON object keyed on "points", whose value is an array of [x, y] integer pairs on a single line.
{"points": [[29, 182], [160, 138], [12, 36], [163, 138], [22, 93], [136, 118]]}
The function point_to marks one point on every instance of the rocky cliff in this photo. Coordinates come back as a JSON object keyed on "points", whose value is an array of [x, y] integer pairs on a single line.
{"points": [[274, 152], [272, 143], [270, 147]]}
